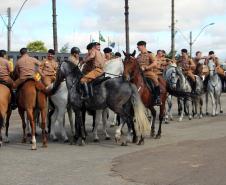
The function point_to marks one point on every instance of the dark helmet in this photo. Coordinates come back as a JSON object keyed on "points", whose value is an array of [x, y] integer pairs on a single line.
{"points": [[107, 50], [117, 54], [75, 50], [184, 51], [90, 46]]}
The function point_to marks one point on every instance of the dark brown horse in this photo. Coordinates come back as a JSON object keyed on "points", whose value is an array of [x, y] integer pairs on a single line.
{"points": [[28, 99], [133, 73]]}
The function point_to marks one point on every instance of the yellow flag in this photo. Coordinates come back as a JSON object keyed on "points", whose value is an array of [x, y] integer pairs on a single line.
{"points": [[11, 65], [37, 76]]}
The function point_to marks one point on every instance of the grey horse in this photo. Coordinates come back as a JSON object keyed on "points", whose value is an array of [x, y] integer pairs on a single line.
{"points": [[118, 95], [214, 89], [179, 86]]}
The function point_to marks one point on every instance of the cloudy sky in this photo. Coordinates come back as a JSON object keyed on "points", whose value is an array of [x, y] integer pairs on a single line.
{"points": [[149, 20]]}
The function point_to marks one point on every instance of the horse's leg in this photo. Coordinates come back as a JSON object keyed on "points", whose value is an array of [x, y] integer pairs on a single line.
{"points": [[181, 105], [97, 121], [94, 120], [43, 127], [54, 122], [1, 125], [188, 106], [49, 115], [213, 104], [21, 112], [30, 116], [161, 116], [104, 120], [61, 120], [114, 121], [69, 112], [7, 126], [79, 127], [169, 111], [118, 132], [219, 101], [153, 113], [207, 96]]}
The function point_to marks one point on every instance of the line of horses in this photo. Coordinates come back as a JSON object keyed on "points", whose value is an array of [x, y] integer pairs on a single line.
{"points": [[123, 89]]}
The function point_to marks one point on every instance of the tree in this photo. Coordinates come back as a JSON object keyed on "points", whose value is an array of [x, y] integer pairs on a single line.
{"points": [[36, 46], [65, 48]]}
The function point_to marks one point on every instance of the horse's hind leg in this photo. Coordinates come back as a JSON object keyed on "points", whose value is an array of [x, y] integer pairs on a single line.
{"points": [[105, 120], [207, 99], [97, 121], [21, 112], [30, 116], [7, 126], [219, 101], [43, 126], [1, 125], [153, 113], [181, 103]]}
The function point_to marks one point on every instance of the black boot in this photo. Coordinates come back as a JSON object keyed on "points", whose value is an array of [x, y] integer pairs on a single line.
{"points": [[157, 98], [85, 91], [13, 104]]}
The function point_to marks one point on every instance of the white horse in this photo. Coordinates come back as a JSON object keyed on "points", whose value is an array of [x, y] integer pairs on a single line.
{"points": [[60, 101], [214, 89]]}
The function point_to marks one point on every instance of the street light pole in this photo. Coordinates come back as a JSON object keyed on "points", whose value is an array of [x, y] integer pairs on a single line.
{"points": [[172, 30], [190, 44], [127, 25], [9, 30]]}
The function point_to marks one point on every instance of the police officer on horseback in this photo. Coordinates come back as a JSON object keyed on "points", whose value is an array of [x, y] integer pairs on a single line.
{"points": [[148, 65]]}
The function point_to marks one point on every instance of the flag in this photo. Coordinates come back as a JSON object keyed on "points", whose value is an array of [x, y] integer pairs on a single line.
{"points": [[112, 44], [101, 38]]}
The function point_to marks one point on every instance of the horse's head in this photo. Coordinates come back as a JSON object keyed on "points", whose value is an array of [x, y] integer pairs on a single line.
{"points": [[212, 67], [130, 65], [172, 77]]}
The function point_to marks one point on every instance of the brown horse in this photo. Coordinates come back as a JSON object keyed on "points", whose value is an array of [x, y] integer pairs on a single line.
{"points": [[133, 73], [5, 99], [28, 99]]}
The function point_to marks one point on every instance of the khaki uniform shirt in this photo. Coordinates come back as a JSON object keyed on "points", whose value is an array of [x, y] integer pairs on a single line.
{"points": [[26, 67], [49, 67], [186, 63], [97, 57], [145, 59], [5, 68]]}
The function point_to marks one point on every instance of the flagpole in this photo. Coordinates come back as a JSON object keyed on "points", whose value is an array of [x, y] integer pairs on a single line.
{"points": [[90, 39], [108, 42], [99, 36]]}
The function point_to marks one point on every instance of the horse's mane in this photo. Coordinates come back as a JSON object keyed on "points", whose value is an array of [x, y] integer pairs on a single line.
{"points": [[75, 71]]}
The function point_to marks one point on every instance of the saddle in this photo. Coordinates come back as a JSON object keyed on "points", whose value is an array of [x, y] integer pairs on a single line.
{"points": [[5, 84]]}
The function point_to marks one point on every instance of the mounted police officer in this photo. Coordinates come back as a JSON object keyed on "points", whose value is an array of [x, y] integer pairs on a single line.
{"points": [[97, 58], [148, 64]]}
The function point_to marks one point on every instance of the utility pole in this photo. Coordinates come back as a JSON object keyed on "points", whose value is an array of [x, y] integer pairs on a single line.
{"points": [[172, 30], [127, 25], [9, 29], [55, 44], [190, 44]]}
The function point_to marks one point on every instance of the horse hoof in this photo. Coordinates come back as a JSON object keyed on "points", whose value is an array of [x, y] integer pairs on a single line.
{"points": [[28, 134], [24, 140], [140, 142], [1, 144], [6, 140], [113, 125], [55, 140], [107, 138], [158, 136], [44, 145], [66, 141], [190, 117], [124, 144], [221, 111], [96, 140], [33, 147], [180, 119], [207, 113], [82, 143]]}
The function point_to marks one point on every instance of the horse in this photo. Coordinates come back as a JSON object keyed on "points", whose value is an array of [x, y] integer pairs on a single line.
{"points": [[115, 93], [179, 86], [5, 99], [214, 89], [133, 73], [60, 103], [28, 98]]}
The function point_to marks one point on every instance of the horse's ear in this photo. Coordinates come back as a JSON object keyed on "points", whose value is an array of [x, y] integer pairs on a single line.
{"points": [[134, 53], [124, 53]]}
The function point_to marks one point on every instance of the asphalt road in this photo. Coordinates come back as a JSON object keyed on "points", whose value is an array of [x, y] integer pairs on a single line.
{"points": [[189, 153]]}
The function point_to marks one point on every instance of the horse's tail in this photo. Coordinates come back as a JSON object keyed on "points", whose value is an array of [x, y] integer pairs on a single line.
{"points": [[142, 125]]}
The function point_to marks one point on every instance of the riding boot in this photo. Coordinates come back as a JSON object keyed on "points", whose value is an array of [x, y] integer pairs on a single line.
{"points": [[85, 91], [157, 98], [13, 104]]}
